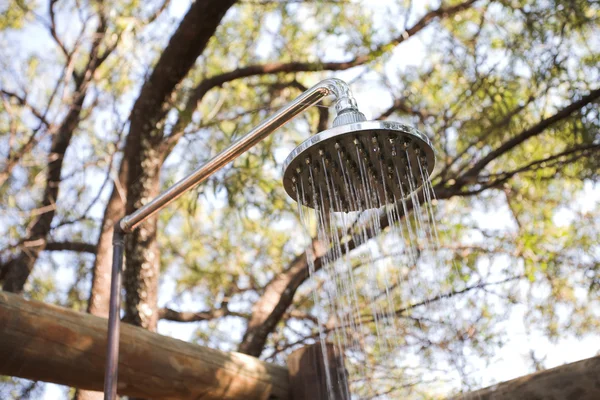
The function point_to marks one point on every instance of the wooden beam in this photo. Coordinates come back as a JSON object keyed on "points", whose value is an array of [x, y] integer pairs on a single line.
{"points": [[576, 381], [43, 342], [53, 344]]}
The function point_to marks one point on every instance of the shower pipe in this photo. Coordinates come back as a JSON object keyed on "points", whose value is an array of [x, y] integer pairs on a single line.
{"points": [[345, 105]]}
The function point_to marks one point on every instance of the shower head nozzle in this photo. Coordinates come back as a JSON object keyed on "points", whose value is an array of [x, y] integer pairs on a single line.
{"points": [[358, 166]]}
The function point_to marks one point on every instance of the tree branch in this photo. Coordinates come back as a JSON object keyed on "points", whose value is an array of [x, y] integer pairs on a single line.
{"points": [[502, 123], [453, 293], [80, 247], [288, 67], [169, 314], [401, 105], [533, 131], [22, 100], [543, 163], [17, 271], [53, 31], [500, 178]]}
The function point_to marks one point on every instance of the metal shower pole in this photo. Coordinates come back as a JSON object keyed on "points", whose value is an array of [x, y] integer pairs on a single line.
{"points": [[328, 87]]}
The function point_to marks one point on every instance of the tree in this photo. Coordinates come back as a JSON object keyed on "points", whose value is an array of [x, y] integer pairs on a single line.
{"points": [[105, 103]]}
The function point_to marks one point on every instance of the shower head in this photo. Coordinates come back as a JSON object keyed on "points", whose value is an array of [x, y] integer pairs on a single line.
{"points": [[358, 166]]}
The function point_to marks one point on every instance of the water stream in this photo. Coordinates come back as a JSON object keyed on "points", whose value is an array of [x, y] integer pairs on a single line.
{"points": [[369, 273]]}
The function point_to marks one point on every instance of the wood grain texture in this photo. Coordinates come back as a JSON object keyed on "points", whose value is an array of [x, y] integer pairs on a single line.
{"points": [[53, 344], [43, 342]]}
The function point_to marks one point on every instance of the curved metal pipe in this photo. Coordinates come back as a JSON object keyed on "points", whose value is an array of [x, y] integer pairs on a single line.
{"points": [[328, 87]]}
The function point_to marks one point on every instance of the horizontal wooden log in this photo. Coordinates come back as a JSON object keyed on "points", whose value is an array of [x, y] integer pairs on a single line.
{"points": [[53, 344], [43, 342], [576, 381]]}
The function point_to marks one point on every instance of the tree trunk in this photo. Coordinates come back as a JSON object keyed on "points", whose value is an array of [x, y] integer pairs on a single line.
{"points": [[141, 181], [114, 211], [145, 160], [141, 248]]}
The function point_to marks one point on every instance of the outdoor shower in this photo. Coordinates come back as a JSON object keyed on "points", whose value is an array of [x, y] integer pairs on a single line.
{"points": [[357, 165]]}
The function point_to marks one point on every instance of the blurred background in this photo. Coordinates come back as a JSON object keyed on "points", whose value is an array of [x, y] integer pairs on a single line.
{"points": [[105, 103]]}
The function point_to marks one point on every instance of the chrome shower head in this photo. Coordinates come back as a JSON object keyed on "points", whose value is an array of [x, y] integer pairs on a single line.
{"points": [[358, 166]]}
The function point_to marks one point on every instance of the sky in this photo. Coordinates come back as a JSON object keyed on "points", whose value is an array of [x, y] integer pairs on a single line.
{"points": [[513, 359]]}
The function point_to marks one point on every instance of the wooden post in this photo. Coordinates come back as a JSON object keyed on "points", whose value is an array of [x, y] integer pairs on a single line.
{"points": [[308, 374]]}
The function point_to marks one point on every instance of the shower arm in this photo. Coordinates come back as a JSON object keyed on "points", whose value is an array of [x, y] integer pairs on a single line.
{"points": [[347, 111], [335, 87]]}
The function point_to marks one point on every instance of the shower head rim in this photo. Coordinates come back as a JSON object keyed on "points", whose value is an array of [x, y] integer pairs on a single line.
{"points": [[355, 129]]}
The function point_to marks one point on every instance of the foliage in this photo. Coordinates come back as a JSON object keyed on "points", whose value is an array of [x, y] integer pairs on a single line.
{"points": [[517, 228]]}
